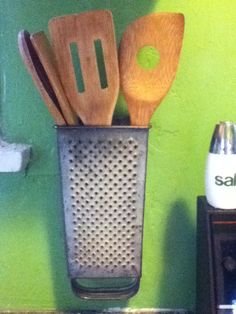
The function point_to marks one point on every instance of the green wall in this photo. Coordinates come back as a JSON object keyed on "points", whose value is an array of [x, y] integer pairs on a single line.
{"points": [[32, 259]]}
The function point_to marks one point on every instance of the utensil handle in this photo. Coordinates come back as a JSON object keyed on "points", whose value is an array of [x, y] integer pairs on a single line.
{"points": [[105, 293]]}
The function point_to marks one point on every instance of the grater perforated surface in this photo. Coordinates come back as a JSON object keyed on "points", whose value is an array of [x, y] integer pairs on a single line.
{"points": [[103, 180]]}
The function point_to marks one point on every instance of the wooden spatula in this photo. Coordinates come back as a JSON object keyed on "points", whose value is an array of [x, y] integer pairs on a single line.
{"points": [[39, 76], [95, 102], [45, 54], [144, 89]]}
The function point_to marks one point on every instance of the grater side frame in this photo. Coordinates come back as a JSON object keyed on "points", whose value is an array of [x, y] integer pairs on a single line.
{"points": [[97, 157]]}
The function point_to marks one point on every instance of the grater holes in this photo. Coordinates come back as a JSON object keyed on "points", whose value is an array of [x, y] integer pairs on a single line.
{"points": [[103, 181]]}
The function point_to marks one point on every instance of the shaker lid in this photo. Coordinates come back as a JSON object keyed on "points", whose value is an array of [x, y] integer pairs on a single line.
{"points": [[224, 139]]}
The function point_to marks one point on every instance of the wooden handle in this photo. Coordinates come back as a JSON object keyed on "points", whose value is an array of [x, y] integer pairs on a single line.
{"points": [[144, 89], [95, 104], [37, 73], [45, 54]]}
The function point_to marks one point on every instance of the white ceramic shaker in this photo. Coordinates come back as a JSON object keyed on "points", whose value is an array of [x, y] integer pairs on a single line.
{"points": [[220, 178]]}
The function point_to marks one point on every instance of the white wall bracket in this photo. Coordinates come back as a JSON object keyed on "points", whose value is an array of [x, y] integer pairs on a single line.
{"points": [[13, 157]]}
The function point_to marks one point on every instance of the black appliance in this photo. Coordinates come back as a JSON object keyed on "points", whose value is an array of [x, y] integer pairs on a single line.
{"points": [[216, 259]]}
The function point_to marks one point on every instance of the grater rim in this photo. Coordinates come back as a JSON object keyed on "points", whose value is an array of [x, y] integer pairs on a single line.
{"points": [[83, 127]]}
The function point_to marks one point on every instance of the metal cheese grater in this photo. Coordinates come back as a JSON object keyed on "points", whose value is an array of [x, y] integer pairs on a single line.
{"points": [[103, 185]]}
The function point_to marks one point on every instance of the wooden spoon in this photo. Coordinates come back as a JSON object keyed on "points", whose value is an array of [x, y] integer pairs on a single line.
{"points": [[95, 103], [39, 76], [45, 54], [144, 89]]}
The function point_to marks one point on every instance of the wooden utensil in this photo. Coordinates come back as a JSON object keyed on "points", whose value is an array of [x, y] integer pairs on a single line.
{"points": [[144, 89], [45, 54], [39, 76], [95, 102]]}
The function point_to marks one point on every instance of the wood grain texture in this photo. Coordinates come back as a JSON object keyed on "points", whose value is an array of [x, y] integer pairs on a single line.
{"points": [[46, 57], [38, 75], [144, 89], [94, 105]]}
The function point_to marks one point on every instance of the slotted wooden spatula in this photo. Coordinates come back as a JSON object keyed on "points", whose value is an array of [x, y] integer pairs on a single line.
{"points": [[44, 52], [39, 76], [144, 89], [95, 102]]}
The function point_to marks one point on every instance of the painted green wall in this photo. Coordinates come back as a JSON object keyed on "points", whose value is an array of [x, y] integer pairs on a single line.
{"points": [[32, 261]]}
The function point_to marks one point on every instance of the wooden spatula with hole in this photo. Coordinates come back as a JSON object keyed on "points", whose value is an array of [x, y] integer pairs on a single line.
{"points": [[39, 76], [93, 95], [45, 54], [144, 89]]}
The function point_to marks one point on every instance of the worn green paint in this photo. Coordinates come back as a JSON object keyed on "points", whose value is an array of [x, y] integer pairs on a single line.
{"points": [[32, 259]]}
